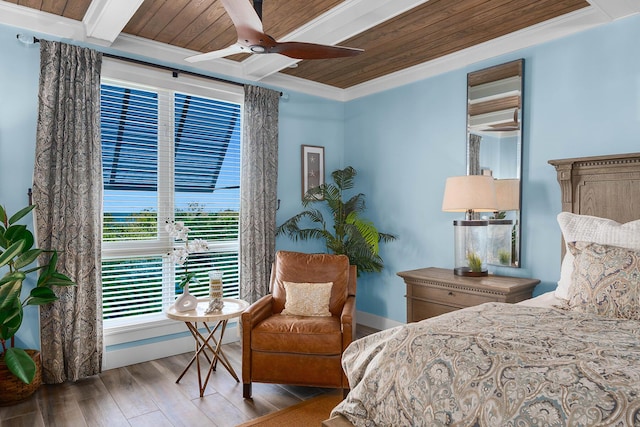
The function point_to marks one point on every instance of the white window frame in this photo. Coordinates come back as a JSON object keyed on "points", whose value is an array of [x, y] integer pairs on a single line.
{"points": [[122, 331]]}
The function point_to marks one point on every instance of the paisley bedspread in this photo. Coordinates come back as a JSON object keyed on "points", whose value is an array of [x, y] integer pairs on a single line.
{"points": [[497, 365]]}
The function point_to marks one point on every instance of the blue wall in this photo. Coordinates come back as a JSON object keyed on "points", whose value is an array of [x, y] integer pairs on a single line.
{"points": [[305, 120], [19, 73], [582, 96]]}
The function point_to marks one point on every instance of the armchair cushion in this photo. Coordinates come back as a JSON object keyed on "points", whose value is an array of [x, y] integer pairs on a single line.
{"points": [[307, 299], [298, 334]]}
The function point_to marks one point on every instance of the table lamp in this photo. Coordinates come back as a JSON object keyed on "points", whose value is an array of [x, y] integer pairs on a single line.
{"points": [[470, 194]]}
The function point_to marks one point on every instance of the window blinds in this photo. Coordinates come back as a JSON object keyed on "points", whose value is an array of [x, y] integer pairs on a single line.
{"points": [[166, 156]]}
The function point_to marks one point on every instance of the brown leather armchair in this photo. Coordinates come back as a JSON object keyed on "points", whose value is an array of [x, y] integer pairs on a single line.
{"points": [[300, 350]]}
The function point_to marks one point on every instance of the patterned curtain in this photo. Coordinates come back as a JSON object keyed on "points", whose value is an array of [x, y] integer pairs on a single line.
{"points": [[67, 189], [258, 194]]}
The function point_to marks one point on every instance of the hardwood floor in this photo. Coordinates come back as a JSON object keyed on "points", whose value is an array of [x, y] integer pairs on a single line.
{"points": [[146, 394]]}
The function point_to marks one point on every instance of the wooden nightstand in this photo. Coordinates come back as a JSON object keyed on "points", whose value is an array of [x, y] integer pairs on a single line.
{"points": [[433, 291]]}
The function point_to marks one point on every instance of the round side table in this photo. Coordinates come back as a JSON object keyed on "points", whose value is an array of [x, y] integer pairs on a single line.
{"points": [[232, 308]]}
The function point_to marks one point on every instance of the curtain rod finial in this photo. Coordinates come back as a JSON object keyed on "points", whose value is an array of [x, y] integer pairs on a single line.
{"points": [[27, 40]]}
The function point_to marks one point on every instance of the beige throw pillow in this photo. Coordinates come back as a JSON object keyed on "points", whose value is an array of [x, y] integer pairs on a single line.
{"points": [[585, 228], [307, 299], [605, 281]]}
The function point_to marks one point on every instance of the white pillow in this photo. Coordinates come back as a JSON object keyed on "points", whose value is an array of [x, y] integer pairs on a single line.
{"points": [[307, 299], [592, 229]]}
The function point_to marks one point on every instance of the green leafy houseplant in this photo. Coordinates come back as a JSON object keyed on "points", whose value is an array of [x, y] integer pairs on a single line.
{"points": [[352, 235], [16, 256]]}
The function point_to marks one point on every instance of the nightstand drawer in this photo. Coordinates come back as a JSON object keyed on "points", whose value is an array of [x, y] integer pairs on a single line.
{"points": [[451, 296], [424, 309]]}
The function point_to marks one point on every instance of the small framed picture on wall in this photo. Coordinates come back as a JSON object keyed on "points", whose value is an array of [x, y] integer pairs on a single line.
{"points": [[312, 168]]}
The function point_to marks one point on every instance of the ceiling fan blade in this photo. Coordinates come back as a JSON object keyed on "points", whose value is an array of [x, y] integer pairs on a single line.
{"points": [[244, 17], [231, 50], [257, 6], [301, 50]]}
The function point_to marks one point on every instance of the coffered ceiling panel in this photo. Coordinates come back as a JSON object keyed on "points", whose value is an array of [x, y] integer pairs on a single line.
{"points": [[432, 30]]}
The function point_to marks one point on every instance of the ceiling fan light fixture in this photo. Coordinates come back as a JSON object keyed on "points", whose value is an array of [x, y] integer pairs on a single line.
{"points": [[258, 49]]}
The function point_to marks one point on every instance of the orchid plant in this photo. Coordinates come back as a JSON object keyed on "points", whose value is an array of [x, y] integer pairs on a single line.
{"points": [[180, 255]]}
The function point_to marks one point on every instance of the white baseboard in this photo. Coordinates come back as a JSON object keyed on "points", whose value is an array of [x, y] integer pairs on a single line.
{"points": [[157, 350], [375, 322]]}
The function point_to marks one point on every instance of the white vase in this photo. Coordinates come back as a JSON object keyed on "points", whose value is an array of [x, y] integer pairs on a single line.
{"points": [[186, 301]]}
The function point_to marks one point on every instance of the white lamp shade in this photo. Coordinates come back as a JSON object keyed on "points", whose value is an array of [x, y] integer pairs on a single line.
{"points": [[508, 194], [470, 192]]}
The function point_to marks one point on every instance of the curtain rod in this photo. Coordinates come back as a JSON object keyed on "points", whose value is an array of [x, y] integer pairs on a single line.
{"points": [[175, 71]]}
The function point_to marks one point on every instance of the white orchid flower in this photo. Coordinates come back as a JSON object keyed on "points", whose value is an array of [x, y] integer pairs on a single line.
{"points": [[179, 255], [198, 245]]}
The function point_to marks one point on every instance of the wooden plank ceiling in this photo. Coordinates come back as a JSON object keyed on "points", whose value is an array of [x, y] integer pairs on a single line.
{"points": [[429, 31]]}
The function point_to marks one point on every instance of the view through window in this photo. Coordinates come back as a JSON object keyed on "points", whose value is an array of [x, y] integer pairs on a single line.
{"points": [[166, 156]]}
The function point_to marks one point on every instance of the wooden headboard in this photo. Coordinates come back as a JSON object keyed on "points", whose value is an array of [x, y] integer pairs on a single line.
{"points": [[603, 186]]}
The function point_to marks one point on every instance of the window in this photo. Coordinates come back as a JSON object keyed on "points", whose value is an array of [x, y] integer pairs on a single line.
{"points": [[167, 155]]}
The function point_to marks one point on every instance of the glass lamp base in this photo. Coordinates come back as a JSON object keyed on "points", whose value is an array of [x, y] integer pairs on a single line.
{"points": [[466, 271]]}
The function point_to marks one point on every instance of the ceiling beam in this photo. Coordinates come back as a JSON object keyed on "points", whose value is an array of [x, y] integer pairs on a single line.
{"points": [[105, 19]]}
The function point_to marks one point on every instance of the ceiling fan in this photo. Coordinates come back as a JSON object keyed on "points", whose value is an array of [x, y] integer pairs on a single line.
{"points": [[252, 38]]}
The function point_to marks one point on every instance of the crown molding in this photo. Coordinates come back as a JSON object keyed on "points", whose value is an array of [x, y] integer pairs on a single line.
{"points": [[616, 9]]}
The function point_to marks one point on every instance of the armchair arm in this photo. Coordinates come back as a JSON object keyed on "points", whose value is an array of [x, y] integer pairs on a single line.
{"points": [[257, 312], [348, 324], [348, 321]]}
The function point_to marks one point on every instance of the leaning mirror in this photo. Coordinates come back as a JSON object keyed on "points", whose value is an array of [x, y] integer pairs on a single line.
{"points": [[494, 147]]}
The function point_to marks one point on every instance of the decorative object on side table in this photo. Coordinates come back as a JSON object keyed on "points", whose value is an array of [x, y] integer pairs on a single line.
{"points": [[215, 292], [20, 370], [180, 256], [186, 301], [470, 194]]}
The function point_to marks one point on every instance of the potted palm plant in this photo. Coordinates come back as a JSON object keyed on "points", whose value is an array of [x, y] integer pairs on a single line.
{"points": [[351, 234], [19, 376]]}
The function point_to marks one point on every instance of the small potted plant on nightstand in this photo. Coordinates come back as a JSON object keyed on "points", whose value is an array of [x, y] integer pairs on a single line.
{"points": [[20, 374]]}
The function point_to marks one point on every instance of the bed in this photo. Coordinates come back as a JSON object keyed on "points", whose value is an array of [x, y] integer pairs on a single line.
{"points": [[567, 357]]}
